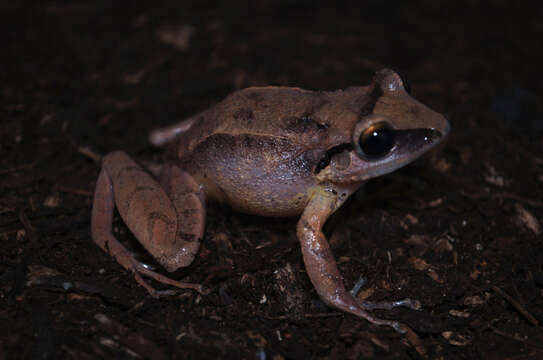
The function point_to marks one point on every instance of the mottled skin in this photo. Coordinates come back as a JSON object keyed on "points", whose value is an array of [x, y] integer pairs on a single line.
{"points": [[270, 151]]}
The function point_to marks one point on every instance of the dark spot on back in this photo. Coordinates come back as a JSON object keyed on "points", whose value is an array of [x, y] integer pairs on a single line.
{"points": [[244, 114], [323, 101], [304, 124], [255, 96]]}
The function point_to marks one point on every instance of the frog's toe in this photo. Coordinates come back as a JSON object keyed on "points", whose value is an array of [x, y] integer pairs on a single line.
{"points": [[388, 305], [368, 305]]}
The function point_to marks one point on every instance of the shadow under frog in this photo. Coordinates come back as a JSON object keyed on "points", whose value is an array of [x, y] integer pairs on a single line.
{"points": [[270, 151]]}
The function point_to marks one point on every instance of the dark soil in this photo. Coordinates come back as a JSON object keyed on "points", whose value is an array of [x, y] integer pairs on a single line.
{"points": [[459, 229]]}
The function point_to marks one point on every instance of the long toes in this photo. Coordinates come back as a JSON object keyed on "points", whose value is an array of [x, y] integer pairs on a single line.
{"points": [[389, 305]]}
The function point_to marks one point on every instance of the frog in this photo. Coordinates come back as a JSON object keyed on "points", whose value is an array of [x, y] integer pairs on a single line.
{"points": [[268, 151]]}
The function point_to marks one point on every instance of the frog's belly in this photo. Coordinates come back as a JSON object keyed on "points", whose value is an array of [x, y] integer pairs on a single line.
{"points": [[261, 176], [259, 196]]}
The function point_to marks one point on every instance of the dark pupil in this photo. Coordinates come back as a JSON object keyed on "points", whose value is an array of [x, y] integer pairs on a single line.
{"points": [[377, 140]]}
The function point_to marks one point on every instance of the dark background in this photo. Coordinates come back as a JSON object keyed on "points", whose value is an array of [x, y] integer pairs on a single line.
{"points": [[459, 229]]}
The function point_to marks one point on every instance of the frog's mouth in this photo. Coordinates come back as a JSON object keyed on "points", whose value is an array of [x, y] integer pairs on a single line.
{"points": [[357, 162]]}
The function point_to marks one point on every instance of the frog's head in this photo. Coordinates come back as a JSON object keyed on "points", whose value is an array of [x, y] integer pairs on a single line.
{"points": [[396, 131]]}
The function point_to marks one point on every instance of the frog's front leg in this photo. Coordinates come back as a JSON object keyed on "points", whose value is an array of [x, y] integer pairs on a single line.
{"points": [[167, 220], [321, 266]]}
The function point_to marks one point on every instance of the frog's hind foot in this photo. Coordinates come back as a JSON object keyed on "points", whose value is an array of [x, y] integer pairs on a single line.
{"points": [[141, 269], [127, 260]]}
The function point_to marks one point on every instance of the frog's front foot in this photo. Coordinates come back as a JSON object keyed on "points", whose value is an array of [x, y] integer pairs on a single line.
{"points": [[385, 305], [166, 218], [389, 305], [322, 269]]}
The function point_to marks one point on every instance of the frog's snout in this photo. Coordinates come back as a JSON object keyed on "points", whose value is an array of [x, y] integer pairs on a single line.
{"points": [[443, 128]]}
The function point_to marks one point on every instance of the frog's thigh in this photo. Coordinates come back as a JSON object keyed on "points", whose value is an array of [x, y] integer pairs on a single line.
{"points": [[189, 204], [320, 264]]}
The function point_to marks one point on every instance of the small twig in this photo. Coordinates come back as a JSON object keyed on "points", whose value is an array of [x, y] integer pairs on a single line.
{"points": [[17, 168], [22, 268], [504, 195], [132, 342], [246, 239], [516, 338], [415, 341], [30, 231], [7, 232], [322, 315], [306, 315], [19, 276], [89, 153], [517, 305], [76, 191]]}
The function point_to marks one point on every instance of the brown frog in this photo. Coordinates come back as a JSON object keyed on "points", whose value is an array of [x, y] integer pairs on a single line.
{"points": [[271, 151]]}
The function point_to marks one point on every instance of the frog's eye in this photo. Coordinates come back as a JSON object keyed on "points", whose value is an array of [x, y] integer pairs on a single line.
{"points": [[376, 141]]}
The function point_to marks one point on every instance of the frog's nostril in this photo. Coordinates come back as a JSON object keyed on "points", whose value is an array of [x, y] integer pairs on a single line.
{"points": [[432, 135], [443, 128]]}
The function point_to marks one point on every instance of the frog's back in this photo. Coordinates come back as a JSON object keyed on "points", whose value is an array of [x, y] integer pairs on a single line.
{"points": [[300, 116]]}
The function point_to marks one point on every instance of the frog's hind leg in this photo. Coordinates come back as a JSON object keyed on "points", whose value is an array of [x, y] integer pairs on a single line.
{"points": [[162, 136], [149, 214]]}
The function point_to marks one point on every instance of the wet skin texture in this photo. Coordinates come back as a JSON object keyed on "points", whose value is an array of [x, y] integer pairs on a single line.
{"points": [[271, 151]]}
